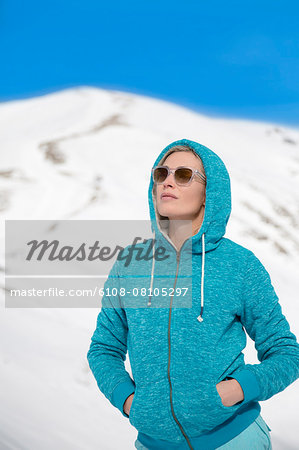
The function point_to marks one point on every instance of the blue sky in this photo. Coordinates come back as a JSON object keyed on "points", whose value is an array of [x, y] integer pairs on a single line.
{"points": [[233, 59]]}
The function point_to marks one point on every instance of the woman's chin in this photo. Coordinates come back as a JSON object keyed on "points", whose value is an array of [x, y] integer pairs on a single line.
{"points": [[167, 212], [172, 215]]}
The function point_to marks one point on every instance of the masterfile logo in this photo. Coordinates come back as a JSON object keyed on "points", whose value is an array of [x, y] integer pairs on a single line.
{"points": [[65, 263]]}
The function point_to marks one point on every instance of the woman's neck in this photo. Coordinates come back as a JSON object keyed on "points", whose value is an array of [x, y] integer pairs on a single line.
{"points": [[180, 230]]}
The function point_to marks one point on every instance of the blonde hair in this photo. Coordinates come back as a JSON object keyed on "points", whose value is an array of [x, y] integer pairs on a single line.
{"points": [[176, 148], [179, 148]]}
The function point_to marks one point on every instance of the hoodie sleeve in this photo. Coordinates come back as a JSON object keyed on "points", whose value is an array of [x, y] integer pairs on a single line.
{"points": [[277, 347], [108, 347]]}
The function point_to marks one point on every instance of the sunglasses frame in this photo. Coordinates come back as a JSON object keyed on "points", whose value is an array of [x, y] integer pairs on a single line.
{"points": [[194, 172]]}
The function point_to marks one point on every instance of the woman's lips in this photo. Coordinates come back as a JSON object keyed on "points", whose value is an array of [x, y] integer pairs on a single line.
{"points": [[168, 197]]}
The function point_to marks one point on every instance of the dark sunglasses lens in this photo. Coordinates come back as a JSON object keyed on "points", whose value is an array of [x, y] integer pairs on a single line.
{"points": [[160, 174], [183, 175]]}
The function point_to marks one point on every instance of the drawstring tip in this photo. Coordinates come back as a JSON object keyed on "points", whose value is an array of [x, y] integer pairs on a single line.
{"points": [[149, 303], [199, 318]]}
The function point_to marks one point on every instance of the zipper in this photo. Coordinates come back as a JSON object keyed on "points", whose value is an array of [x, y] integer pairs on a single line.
{"points": [[169, 351]]}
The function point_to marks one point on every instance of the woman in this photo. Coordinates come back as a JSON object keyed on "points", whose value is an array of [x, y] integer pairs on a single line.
{"points": [[191, 386]]}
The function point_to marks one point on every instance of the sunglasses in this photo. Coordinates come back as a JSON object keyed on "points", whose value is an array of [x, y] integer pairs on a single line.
{"points": [[182, 175]]}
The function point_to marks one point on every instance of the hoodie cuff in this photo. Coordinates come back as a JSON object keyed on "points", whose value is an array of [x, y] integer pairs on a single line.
{"points": [[121, 393], [249, 384]]}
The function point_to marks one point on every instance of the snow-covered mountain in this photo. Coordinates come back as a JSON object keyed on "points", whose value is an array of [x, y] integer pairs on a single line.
{"points": [[86, 153]]}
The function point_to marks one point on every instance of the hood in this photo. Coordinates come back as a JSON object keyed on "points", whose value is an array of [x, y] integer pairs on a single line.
{"points": [[218, 198], [217, 205]]}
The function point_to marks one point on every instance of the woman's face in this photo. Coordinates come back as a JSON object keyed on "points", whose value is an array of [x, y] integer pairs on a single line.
{"points": [[190, 199]]}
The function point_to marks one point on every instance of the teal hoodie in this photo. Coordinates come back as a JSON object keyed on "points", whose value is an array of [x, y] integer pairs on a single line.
{"points": [[179, 349]]}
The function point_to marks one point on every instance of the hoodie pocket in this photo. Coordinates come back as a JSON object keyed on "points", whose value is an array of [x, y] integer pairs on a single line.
{"points": [[198, 405], [150, 410], [132, 405]]}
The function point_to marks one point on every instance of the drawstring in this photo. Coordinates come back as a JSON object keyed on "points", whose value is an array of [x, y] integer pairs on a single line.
{"points": [[149, 303], [200, 318]]}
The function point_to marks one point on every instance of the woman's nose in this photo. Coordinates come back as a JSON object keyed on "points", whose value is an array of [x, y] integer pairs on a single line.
{"points": [[169, 179]]}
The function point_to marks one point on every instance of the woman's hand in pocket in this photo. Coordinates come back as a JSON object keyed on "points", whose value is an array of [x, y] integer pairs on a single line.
{"points": [[230, 392], [128, 404]]}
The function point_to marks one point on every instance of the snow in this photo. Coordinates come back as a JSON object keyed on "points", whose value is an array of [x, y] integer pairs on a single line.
{"points": [[73, 155]]}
